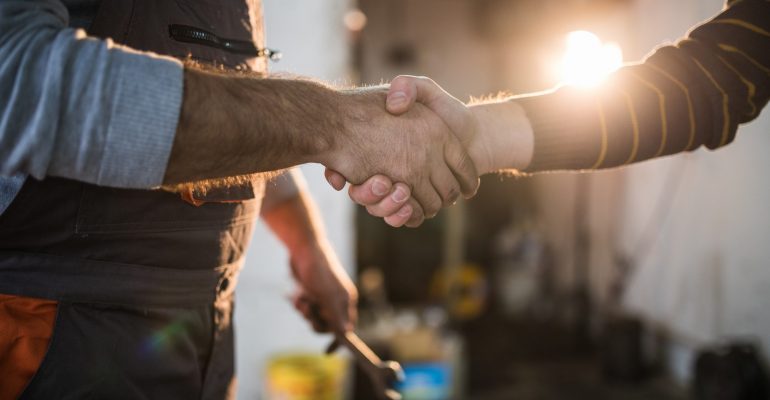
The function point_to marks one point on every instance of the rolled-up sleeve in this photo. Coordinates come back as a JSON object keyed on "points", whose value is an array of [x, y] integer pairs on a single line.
{"points": [[82, 108]]}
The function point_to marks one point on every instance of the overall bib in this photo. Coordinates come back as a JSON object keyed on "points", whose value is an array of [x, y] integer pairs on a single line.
{"points": [[142, 280]]}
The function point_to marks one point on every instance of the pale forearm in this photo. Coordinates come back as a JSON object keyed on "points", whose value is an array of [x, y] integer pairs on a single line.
{"points": [[296, 223], [327, 296], [504, 140], [235, 125]]}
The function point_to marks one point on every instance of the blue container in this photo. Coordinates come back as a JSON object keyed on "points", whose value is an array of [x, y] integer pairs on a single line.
{"points": [[426, 381]]}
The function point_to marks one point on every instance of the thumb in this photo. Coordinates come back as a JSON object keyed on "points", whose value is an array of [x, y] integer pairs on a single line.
{"points": [[335, 179], [405, 90], [401, 95]]}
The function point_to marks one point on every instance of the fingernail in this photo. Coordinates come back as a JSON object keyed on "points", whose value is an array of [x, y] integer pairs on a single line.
{"points": [[396, 99], [399, 196], [379, 188], [405, 211]]}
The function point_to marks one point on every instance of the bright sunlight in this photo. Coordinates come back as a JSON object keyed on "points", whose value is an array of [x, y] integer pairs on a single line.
{"points": [[587, 61]]}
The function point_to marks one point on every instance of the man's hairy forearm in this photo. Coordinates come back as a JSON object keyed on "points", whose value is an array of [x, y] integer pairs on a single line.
{"points": [[235, 124]]}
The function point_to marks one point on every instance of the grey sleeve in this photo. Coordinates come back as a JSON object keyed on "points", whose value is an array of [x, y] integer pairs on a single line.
{"points": [[81, 108]]}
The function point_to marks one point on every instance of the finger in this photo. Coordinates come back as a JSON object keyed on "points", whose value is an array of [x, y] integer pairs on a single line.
{"points": [[445, 184], [410, 215], [424, 90], [335, 179], [415, 224], [332, 347], [345, 318], [401, 217], [304, 308], [318, 320], [319, 326], [391, 204], [453, 112], [463, 168], [401, 95], [427, 196], [372, 191], [311, 312], [418, 216]]}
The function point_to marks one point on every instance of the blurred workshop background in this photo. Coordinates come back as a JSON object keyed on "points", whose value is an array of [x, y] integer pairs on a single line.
{"points": [[647, 282]]}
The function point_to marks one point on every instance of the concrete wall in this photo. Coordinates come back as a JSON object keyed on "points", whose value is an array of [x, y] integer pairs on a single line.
{"points": [[313, 40]]}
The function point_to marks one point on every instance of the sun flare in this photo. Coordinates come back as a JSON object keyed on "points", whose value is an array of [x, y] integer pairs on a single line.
{"points": [[587, 61]]}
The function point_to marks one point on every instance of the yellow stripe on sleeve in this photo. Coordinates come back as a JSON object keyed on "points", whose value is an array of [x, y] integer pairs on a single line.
{"points": [[752, 89], [662, 106], [725, 103], [756, 63], [742, 24], [691, 112], [635, 124], [603, 123]]}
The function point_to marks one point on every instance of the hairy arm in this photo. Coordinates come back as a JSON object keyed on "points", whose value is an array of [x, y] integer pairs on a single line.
{"points": [[237, 124], [234, 124], [86, 109]]}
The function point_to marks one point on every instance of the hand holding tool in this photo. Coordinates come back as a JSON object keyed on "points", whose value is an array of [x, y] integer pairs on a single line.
{"points": [[383, 374]]}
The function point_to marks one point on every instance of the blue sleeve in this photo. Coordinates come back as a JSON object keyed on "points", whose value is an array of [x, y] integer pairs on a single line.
{"points": [[81, 108]]}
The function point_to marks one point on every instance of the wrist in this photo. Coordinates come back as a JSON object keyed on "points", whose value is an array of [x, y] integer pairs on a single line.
{"points": [[359, 111], [504, 138], [305, 257], [331, 155], [325, 127]]}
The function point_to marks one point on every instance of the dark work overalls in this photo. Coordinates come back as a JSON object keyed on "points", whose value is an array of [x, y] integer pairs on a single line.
{"points": [[144, 280]]}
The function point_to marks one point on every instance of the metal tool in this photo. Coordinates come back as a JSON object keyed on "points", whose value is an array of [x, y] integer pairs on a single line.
{"points": [[383, 374]]}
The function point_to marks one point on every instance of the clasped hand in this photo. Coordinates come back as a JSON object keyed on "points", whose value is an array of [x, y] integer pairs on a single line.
{"points": [[431, 148]]}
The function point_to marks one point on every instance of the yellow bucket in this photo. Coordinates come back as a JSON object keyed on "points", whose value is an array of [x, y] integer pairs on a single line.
{"points": [[305, 377]]}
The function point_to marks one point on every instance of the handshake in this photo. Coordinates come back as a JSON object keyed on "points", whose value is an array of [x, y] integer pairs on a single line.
{"points": [[424, 149]]}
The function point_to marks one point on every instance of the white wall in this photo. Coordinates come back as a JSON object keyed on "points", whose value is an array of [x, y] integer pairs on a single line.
{"points": [[707, 276], [313, 40]]}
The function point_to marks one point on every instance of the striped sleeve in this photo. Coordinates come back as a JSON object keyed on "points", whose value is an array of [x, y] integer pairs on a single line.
{"points": [[691, 94]]}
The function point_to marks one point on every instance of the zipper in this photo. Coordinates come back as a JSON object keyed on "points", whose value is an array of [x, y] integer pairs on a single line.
{"points": [[190, 34]]}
